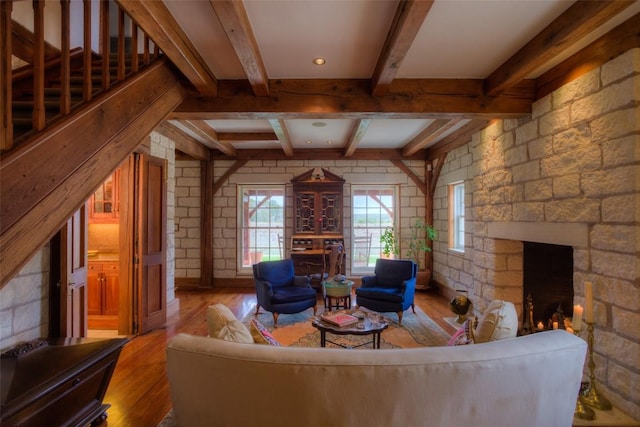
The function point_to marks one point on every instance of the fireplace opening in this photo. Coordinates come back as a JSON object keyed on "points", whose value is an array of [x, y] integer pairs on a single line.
{"points": [[547, 283]]}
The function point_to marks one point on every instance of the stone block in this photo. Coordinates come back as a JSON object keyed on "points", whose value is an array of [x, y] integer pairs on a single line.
{"points": [[610, 98], [619, 238], [528, 211], [541, 107], [616, 124], [623, 66], [540, 147], [540, 189], [610, 182], [572, 210], [622, 350], [616, 265], [572, 139], [625, 381], [622, 294], [621, 209], [626, 323], [516, 155], [526, 171], [578, 88], [527, 132], [580, 259], [585, 158], [558, 120], [621, 151], [566, 186]]}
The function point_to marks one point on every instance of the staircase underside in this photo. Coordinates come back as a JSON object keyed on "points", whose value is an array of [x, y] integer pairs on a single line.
{"points": [[50, 175]]}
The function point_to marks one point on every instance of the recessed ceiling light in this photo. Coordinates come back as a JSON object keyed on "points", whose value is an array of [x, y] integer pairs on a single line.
{"points": [[318, 124], [329, 142], [308, 141], [319, 61]]}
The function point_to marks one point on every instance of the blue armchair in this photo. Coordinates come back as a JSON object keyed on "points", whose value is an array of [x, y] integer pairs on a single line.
{"points": [[391, 289], [279, 290]]}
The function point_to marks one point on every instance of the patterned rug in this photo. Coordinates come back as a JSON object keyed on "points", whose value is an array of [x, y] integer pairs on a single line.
{"points": [[295, 330]]}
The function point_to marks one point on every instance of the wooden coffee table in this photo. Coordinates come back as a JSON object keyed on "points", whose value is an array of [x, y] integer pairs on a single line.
{"points": [[369, 324]]}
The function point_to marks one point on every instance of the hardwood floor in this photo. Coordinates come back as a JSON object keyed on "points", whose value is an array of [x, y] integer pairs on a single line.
{"points": [[139, 391]]}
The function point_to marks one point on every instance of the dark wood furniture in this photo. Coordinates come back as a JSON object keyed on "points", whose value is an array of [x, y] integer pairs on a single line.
{"points": [[370, 324], [57, 381], [317, 203], [103, 280], [310, 250]]}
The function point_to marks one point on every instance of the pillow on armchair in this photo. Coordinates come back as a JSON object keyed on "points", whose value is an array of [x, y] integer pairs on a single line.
{"points": [[498, 322]]}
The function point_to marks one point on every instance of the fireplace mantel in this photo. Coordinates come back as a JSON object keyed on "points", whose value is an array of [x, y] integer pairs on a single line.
{"points": [[576, 235]]}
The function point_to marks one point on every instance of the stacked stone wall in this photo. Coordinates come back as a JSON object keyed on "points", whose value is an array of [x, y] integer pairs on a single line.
{"points": [[574, 161], [187, 219], [411, 200]]}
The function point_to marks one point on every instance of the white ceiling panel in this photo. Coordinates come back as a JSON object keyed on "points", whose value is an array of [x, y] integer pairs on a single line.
{"points": [[348, 34]]}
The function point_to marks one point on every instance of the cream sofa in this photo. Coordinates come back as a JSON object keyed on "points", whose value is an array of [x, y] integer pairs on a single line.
{"points": [[525, 381]]}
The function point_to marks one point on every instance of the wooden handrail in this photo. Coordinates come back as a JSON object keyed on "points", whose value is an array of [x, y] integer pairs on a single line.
{"points": [[43, 69]]}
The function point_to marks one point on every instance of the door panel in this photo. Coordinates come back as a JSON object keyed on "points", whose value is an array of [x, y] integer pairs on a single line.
{"points": [[151, 243], [73, 278]]}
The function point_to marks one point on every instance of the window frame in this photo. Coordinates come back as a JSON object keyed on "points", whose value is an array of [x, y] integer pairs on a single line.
{"points": [[357, 269], [456, 216], [273, 245]]}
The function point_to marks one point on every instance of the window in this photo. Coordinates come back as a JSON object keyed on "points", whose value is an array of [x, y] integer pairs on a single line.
{"points": [[456, 216], [373, 211], [261, 228]]}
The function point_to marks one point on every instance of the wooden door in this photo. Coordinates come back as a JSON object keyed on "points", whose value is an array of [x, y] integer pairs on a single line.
{"points": [[73, 275], [150, 238]]}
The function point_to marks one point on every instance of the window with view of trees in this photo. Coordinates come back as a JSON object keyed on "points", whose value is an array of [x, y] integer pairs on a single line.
{"points": [[261, 224], [373, 211]]}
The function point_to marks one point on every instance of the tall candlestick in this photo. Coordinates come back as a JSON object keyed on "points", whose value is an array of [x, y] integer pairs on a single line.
{"points": [[576, 322], [588, 297]]}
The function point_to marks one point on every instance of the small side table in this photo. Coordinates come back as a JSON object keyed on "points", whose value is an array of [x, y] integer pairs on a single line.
{"points": [[338, 293]]}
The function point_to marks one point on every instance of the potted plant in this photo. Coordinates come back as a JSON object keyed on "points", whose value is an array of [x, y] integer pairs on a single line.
{"points": [[415, 246], [389, 243]]}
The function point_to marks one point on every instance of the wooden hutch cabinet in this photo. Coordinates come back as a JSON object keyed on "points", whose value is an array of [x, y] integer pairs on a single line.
{"points": [[317, 216], [318, 203]]}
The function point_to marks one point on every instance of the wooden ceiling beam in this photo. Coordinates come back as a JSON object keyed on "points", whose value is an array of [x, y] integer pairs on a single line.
{"points": [[358, 131], [577, 22], [209, 136], [248, 136], [280, 129], [184, 142], [428, 135], [233, 18], [409, 17], [318, 154], [156, 21], [350, 99], [456, 139], [616, 42]]}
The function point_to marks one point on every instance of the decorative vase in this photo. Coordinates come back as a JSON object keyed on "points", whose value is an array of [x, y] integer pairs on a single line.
{"points": [[460, 305]]}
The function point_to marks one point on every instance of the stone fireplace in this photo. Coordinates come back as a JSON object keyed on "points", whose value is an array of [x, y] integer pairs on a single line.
{"points": [[566, 175], [547, 284]]}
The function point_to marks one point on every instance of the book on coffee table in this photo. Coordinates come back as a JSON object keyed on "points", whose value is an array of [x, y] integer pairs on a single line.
{"points": [[339, 319]]}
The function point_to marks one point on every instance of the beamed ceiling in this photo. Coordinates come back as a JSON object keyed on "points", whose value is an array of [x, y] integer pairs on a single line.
{"points": [[413, 77]]}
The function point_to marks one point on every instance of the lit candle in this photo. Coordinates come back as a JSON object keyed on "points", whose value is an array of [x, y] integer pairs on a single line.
{"points": [[588, 297], [540, 326], [555, 325], [576, 322]]}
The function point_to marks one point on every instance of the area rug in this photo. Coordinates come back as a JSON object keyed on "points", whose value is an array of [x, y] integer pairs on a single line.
{"points": [[295, 330]]}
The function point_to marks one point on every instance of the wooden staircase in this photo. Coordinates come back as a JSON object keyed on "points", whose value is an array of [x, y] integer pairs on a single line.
{"points": [[23, 103]]}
